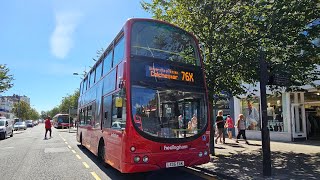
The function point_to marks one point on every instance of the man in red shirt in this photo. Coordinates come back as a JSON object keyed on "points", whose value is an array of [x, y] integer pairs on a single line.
{"points": [[47, 125]]}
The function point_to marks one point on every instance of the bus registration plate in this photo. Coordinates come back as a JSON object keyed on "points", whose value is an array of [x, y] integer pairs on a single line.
{"points": [[174, 164]]}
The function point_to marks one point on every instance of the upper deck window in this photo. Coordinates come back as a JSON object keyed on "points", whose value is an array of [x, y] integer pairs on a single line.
{"points": [[118, 52], [107, 63], [163, 41], [98, 71]]}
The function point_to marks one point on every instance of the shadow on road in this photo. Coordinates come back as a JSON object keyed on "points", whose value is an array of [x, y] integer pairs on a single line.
{"points": [[110, 171], [285, 165]]}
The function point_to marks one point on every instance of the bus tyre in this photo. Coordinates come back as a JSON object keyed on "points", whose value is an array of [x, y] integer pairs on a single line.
{"points": [[101, 152], [81, 145]]}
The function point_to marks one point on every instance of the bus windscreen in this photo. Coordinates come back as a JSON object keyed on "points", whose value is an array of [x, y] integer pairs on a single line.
{"points": [[63, 119], [167, 113]]}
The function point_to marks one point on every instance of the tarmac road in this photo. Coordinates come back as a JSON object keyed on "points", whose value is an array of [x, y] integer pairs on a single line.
{"points": [[27, 156]]}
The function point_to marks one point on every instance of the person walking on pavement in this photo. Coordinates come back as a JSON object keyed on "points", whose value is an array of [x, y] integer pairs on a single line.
{"points": [[241, 125], [220, 125], [229, 125], [47, 125]]}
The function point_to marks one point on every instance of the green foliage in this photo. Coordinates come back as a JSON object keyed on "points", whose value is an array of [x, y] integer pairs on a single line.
{"points": [[70, 101], [53, 112], [234, 31], [43, 115], [23, 111], [5, 78]]}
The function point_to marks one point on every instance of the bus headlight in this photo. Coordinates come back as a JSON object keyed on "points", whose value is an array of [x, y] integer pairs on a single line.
{"points": [[136, 159], [205, 153], [145, 159], [200, 154]]}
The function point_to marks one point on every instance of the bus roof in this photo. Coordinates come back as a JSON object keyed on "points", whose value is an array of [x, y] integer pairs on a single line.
{"points": [[60, 115]]}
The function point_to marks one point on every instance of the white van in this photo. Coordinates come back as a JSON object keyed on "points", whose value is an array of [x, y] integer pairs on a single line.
{"points": [[6, 128]]}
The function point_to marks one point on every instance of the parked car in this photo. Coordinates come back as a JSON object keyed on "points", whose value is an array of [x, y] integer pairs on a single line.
{"points": [[35, 122], [6, 128], [19, 125], [29, 123]]}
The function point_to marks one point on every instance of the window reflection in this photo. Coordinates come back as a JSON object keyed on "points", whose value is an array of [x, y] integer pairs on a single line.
{"points": [[164, 42], [168, 113]]}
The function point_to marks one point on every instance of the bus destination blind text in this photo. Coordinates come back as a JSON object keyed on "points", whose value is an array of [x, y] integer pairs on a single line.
{"points": [[168, 73]]}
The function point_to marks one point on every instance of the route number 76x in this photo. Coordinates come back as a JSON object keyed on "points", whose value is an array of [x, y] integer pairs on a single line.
{"points": [[187, 76]]}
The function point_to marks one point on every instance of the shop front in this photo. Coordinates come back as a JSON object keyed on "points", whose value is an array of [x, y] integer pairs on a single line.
{"points": [[278, 116], [291, 116]]}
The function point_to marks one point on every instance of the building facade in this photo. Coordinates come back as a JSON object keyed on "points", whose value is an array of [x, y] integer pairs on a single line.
{"points": [[7, 102], [291, 116]]}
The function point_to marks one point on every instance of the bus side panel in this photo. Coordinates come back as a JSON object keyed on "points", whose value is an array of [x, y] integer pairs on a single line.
{"points": [[113, 147]]}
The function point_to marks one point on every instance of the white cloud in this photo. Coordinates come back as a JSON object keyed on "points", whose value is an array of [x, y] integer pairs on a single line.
{"points": [[61, 38]]}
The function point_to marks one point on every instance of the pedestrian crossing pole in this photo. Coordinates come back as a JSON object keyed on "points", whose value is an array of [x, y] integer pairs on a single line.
{"points": [[264, 131]]}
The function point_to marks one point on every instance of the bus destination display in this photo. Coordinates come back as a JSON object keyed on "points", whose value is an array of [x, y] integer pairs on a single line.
{"points": [[169, 73]]}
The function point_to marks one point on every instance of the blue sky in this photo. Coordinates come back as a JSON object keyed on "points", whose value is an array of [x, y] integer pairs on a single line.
{"points": [[44, 42]]}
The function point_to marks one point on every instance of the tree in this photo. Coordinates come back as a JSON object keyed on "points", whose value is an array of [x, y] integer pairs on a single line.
{"points": [[53, 111], [33, 114], [71, 101], [5, 78], [234, 31], [21, 110], [43, 115]]}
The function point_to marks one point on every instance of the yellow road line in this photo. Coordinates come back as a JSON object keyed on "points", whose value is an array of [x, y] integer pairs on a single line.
{"points": [[85, 165], [78, 156], [95, 176], [69, 147], [74, 151]]}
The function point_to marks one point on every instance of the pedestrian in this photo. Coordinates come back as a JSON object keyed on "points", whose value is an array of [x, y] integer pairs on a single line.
{"points": [[47, 125], [220, 125], [241, 125], [229, 125]]}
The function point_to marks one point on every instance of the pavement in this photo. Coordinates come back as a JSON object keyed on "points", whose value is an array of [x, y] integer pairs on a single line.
{"points": [[290, 160]]}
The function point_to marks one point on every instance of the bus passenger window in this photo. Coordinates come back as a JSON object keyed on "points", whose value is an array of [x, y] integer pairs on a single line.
{"points": [[118, 111], [107, 63], [118, 52], [83, 117], [89, 115], [106, 111]]}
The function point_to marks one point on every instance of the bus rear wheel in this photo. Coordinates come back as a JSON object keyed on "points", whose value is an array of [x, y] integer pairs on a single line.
{"points": [[81, 145], [101, 152]]}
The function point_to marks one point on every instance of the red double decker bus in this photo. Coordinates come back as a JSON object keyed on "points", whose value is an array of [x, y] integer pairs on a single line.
{"points": [[143, 106]]}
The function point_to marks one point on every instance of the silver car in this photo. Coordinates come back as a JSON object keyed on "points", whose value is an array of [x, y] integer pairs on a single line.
{"points": [[19, 125]]}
